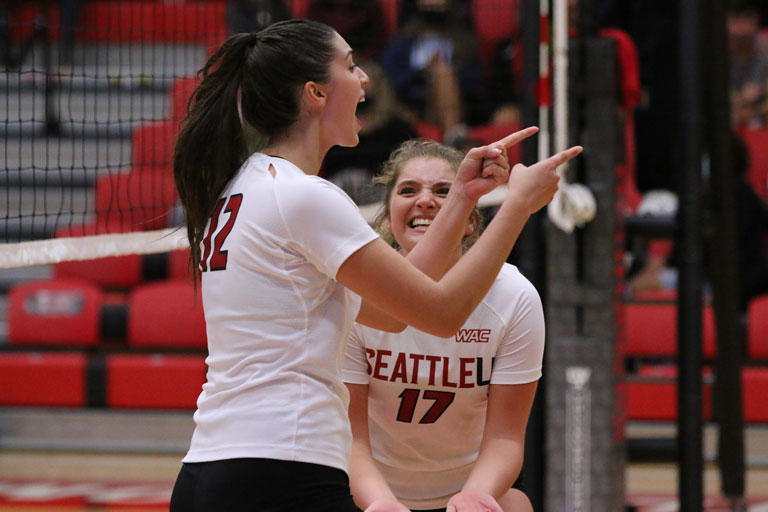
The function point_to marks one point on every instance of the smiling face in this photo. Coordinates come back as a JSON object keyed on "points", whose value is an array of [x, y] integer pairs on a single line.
{"points": [[418, 194], [344, 91]]}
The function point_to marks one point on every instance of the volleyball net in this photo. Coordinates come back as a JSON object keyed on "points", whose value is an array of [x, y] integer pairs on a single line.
{"points": [[93, 94], [93, 100]]}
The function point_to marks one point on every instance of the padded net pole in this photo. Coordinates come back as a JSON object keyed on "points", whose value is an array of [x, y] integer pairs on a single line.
{"points": [[585, 428]]}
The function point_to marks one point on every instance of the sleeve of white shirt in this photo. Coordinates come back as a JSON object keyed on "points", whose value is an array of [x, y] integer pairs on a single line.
{"points": [[520, 354], [355, 369], [324, 224]]}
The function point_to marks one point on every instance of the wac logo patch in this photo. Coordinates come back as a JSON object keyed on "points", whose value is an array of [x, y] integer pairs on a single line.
{"points": [[473, 335]]}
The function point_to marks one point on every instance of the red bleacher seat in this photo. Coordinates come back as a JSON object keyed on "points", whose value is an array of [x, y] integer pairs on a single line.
{"points": [[652, 330], [300, 8], [166, 314], [152, 146], [178, 264], [64, 312], [181, 91], [652, 395], [756, 140], [111, 272], [428, 131], [42, 379], [494, 20], [154, 381], [754, 381], [136, 20], [391, 10], [138, 200], [757, 334]]}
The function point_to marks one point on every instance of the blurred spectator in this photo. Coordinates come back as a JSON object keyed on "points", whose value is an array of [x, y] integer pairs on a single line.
{"points": [[749, 67], [505, 83], [752, 236], [254, 15], [6, 45], [360, 23], [752, 222], [653, 25], [12, 54], [434, 65], [69, 21], [462, 10], [383, 130]]}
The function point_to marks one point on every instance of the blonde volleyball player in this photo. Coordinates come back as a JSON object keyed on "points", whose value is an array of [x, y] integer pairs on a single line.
{"points": [[440, 421], [287, 264]]}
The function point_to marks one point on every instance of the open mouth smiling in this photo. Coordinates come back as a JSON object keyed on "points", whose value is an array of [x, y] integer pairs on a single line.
{"points": [[420, 222]]}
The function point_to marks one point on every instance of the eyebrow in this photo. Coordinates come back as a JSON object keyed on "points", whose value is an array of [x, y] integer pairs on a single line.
{"points": [[414, 182]]}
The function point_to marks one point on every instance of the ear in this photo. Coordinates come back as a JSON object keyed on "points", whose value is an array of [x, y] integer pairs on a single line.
{"points": [[315, 95], [469, 229]]}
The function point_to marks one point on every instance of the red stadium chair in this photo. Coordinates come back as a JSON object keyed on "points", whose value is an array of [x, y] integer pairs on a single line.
{"points": [[428, 131], [137, 200], [138, 20], [112, 272], [154, 381], [756, 140], [757, 333], [755, 388], [42, 379], [651, 330], [166, 315], [62, 312], [652, 394], [181, 91], [299, 8], [391, 10], [178, 264], [152, 146], [494, 20]]}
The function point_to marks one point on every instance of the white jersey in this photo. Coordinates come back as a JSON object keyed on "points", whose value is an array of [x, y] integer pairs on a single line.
{"points": [[277, 321], [428, 395]]}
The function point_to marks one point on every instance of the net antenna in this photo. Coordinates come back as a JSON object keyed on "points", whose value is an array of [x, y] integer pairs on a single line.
{"points": [[574, 204]]}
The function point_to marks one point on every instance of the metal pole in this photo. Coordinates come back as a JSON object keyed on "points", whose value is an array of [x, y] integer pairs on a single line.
{"points": [[544, 99], [533, 239], [724, 271], [689, 401]]}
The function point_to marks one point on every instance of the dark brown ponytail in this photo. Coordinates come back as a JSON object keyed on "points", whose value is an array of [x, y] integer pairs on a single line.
{"points": [[258, 76]]}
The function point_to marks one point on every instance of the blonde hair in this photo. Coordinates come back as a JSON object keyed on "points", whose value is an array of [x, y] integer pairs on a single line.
{"points": [[390, 172]]}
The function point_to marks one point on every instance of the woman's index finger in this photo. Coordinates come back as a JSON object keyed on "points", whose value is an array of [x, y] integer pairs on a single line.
{"points": [[562, 157], [513, 138]]}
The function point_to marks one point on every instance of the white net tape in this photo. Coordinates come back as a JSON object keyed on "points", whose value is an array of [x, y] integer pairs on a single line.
{"points": [[42, 252], [46, 252]]}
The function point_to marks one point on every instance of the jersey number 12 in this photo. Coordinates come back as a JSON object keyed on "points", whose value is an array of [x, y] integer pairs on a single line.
{"points": [[218, 260]]}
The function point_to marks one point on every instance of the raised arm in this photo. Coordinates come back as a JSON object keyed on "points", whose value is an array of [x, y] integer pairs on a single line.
{"points": [[433, 254], [393, 285]]}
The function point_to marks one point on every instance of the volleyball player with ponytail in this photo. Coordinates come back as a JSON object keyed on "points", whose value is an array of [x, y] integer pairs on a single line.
{"points": [[288, 264]]}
